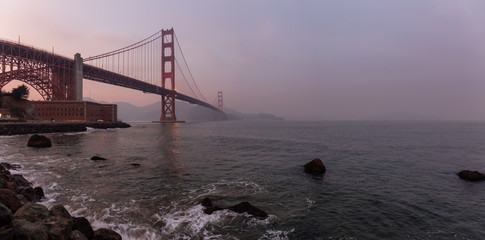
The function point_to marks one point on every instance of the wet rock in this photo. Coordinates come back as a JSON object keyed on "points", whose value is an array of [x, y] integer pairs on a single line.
{"points": [[243, 207], [82, 225], [77, 235], [4, 178], [248, 208], [30, 230], [19, 180], [10, 199], [7, 233], [209, 207], [32, 212], [59, 227], [5, 215], [39, 141], [38, 193], [315, 167], [59, 210], [98, 158], [473, 176], [106, 234], [8, 166], [28, 193]]}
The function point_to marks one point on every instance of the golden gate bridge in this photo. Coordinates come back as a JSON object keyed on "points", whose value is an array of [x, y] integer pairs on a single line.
{"points": [[150, 66]]}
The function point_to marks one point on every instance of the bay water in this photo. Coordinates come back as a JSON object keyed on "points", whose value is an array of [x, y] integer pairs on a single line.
{"points": [[384, 180]]}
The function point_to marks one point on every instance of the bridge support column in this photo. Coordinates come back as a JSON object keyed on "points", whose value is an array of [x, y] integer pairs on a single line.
{"points": [[168, 74], [77, 73]]}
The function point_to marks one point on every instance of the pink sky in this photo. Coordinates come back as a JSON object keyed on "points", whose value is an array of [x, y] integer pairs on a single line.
{"points": [[303, 60]]}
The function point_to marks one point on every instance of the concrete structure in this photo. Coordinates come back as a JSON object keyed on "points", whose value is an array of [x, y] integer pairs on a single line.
{"points": [[78, 76], [76, 111]]}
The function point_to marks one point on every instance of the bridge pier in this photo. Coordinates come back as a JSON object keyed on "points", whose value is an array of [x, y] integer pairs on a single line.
{"points": [[78, 77]]}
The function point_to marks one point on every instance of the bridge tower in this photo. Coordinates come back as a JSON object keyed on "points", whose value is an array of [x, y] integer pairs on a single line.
{"points": [[219, 100], [168, 74]]}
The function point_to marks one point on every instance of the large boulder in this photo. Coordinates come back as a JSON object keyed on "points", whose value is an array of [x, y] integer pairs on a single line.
{"points": [[77, 235], [39, 141], [473, 176], [7, 233], [32, 212], [30, 230], [10, 199], [248, 208], [243, 207], [315, 167], [82, 225], [98, 158], [5, 215], [59, 210], [106, 234], [59, 227]]}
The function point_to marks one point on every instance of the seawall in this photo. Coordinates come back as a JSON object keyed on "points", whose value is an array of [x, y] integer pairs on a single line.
{"points": [[31, 128]]}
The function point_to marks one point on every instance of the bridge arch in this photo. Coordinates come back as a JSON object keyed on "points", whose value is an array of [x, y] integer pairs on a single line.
{"points": [[31, 82]]}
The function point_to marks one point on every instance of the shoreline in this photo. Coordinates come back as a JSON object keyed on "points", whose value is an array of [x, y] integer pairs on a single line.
{"points": [[23, 216], [8, 129]]}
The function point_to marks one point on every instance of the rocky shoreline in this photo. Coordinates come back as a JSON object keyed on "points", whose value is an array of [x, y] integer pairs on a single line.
{"points": [[31, 128], [22, 218]]}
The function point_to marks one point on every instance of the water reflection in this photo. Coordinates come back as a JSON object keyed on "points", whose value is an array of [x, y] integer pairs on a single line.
{"points": [[170, 144]]}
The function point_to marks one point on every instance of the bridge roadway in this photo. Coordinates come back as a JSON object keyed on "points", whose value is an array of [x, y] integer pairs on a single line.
{"points": [[19, 53], [104, 76]]}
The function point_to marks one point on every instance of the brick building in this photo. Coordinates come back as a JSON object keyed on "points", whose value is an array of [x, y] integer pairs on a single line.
{"points": [[75, 111]]}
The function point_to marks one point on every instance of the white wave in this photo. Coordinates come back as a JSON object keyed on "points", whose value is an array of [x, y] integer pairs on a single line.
{"points": [[276, 234]]}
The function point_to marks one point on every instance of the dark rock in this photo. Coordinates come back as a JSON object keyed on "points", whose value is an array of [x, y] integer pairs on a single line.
{"points": [[106, 234], [59, 210], [38, 193], [77, 235], [28, 193], [315, 167], [59, 227], [209, 207], [473, 176], [239, 208], [19, 180], [39, 141], [98, 158], [26, 230], [248, 208], [8, 166], [2, 167], [4, 178], [5, 215], [135, 164], [10, 199], [82, 225], [32, 212], [7, 233]]}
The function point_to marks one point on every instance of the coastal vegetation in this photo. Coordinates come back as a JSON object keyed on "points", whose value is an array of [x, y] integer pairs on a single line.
{"points": [[17, 104]]}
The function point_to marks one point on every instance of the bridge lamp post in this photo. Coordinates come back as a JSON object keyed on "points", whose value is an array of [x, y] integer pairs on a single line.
{"points": [[18, 37]]}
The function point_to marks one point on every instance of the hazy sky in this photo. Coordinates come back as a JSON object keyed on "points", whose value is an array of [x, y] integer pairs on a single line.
{"points": [[303, 60]]}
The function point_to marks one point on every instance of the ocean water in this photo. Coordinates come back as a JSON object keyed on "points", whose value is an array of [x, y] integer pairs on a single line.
{"points": [[384, 180]]}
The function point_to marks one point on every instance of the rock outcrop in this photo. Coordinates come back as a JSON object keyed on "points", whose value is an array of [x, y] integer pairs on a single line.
{"points": [[315, 167], [243, 207], [22, 218], [473, 176], [39, 141], [97, 158]]}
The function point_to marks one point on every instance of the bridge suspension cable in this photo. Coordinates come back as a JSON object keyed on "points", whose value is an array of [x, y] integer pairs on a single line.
{"points": [[143, 61]]}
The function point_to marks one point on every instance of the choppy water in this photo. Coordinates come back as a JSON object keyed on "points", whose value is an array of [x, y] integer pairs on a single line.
{"points": [[394, 180]]}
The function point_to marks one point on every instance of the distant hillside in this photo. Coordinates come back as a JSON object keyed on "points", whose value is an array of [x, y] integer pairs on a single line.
{"points": [[183, 110], [235, 115]]}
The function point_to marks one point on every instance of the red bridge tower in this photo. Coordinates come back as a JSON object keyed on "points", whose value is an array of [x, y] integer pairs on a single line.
{"points": [[168, 73]]}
